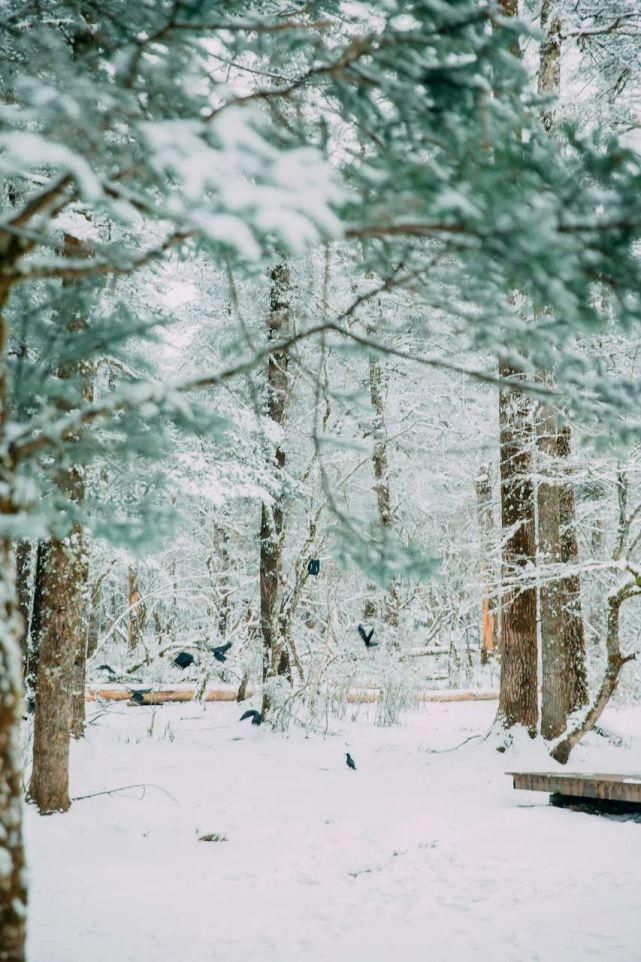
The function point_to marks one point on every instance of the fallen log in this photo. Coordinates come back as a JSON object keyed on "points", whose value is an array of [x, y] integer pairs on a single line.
{"points": [[354, 695]]}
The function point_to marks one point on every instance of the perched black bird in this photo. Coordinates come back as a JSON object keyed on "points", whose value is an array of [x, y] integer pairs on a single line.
{"points": [[107, 668], [138, 694], [256, 717], [313, 566], [219, 652], [349, 761], [183, 659], [367, 638]]}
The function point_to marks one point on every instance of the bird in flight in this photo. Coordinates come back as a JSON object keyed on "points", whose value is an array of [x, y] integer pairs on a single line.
{"points": [[183, 659], [367, 638], [106, 668], [256, 717], [349, 761], [220, 651]]}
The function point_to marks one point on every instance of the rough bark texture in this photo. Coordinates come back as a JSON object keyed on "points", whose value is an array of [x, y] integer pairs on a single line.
{"points": [[554, 664], [60, 705], [381, 487], [13, 890], [563, 682], [35, 626], [275, 653], [518, 695], [490, 608], [24, 564], [137, 618], [573, 627], [64, 605]]}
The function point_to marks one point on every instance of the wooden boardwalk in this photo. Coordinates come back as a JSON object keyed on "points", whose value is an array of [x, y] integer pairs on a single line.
{"points": [[609, 791]]}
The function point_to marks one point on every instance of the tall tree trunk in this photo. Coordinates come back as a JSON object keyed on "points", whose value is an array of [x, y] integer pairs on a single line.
{"points": [[35, 626], [549, 76], [60, 703], [381, 487], [573, 627], [490, 608], [275, 654], [13, 891], [518, 692], [24, 564], [137, 618], [64, 601], [13, 888], [554, 667], [563, 675]]}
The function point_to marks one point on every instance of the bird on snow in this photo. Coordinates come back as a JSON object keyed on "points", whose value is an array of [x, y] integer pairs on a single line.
{"points": [[220, 651], [256, 717], [183, 659], [138, 694], [367, 638], [349, 761]]}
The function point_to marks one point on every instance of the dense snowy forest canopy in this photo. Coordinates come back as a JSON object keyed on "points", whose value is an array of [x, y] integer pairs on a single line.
{"points": [[319, 365]]}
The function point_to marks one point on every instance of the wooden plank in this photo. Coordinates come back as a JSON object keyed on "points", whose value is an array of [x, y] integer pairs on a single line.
{"points": [[605, 786]]}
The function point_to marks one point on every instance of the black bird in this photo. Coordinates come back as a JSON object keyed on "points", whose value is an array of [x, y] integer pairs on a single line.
{"points": [[367, 638], [349, 761], [183, 659], [256, 717], [219, 652], [138, 694], [106, 668], [313, 566]]}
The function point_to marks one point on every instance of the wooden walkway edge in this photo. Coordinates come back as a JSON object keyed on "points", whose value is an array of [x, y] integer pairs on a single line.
{"points": [[571, 787]]}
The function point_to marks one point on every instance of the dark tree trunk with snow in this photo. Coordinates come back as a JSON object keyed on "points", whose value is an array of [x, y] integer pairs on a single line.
{"points": [[62, 633], [24, 564], [573, 628], [563, 675], [13, 886], [518, 693], [62, 648], [381, 488], [275, 654], [13, 891], [35, 626], [554, 664]]}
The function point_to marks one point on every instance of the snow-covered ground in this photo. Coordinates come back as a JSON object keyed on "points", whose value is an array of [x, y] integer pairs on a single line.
{"points": [[416, 855]]}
